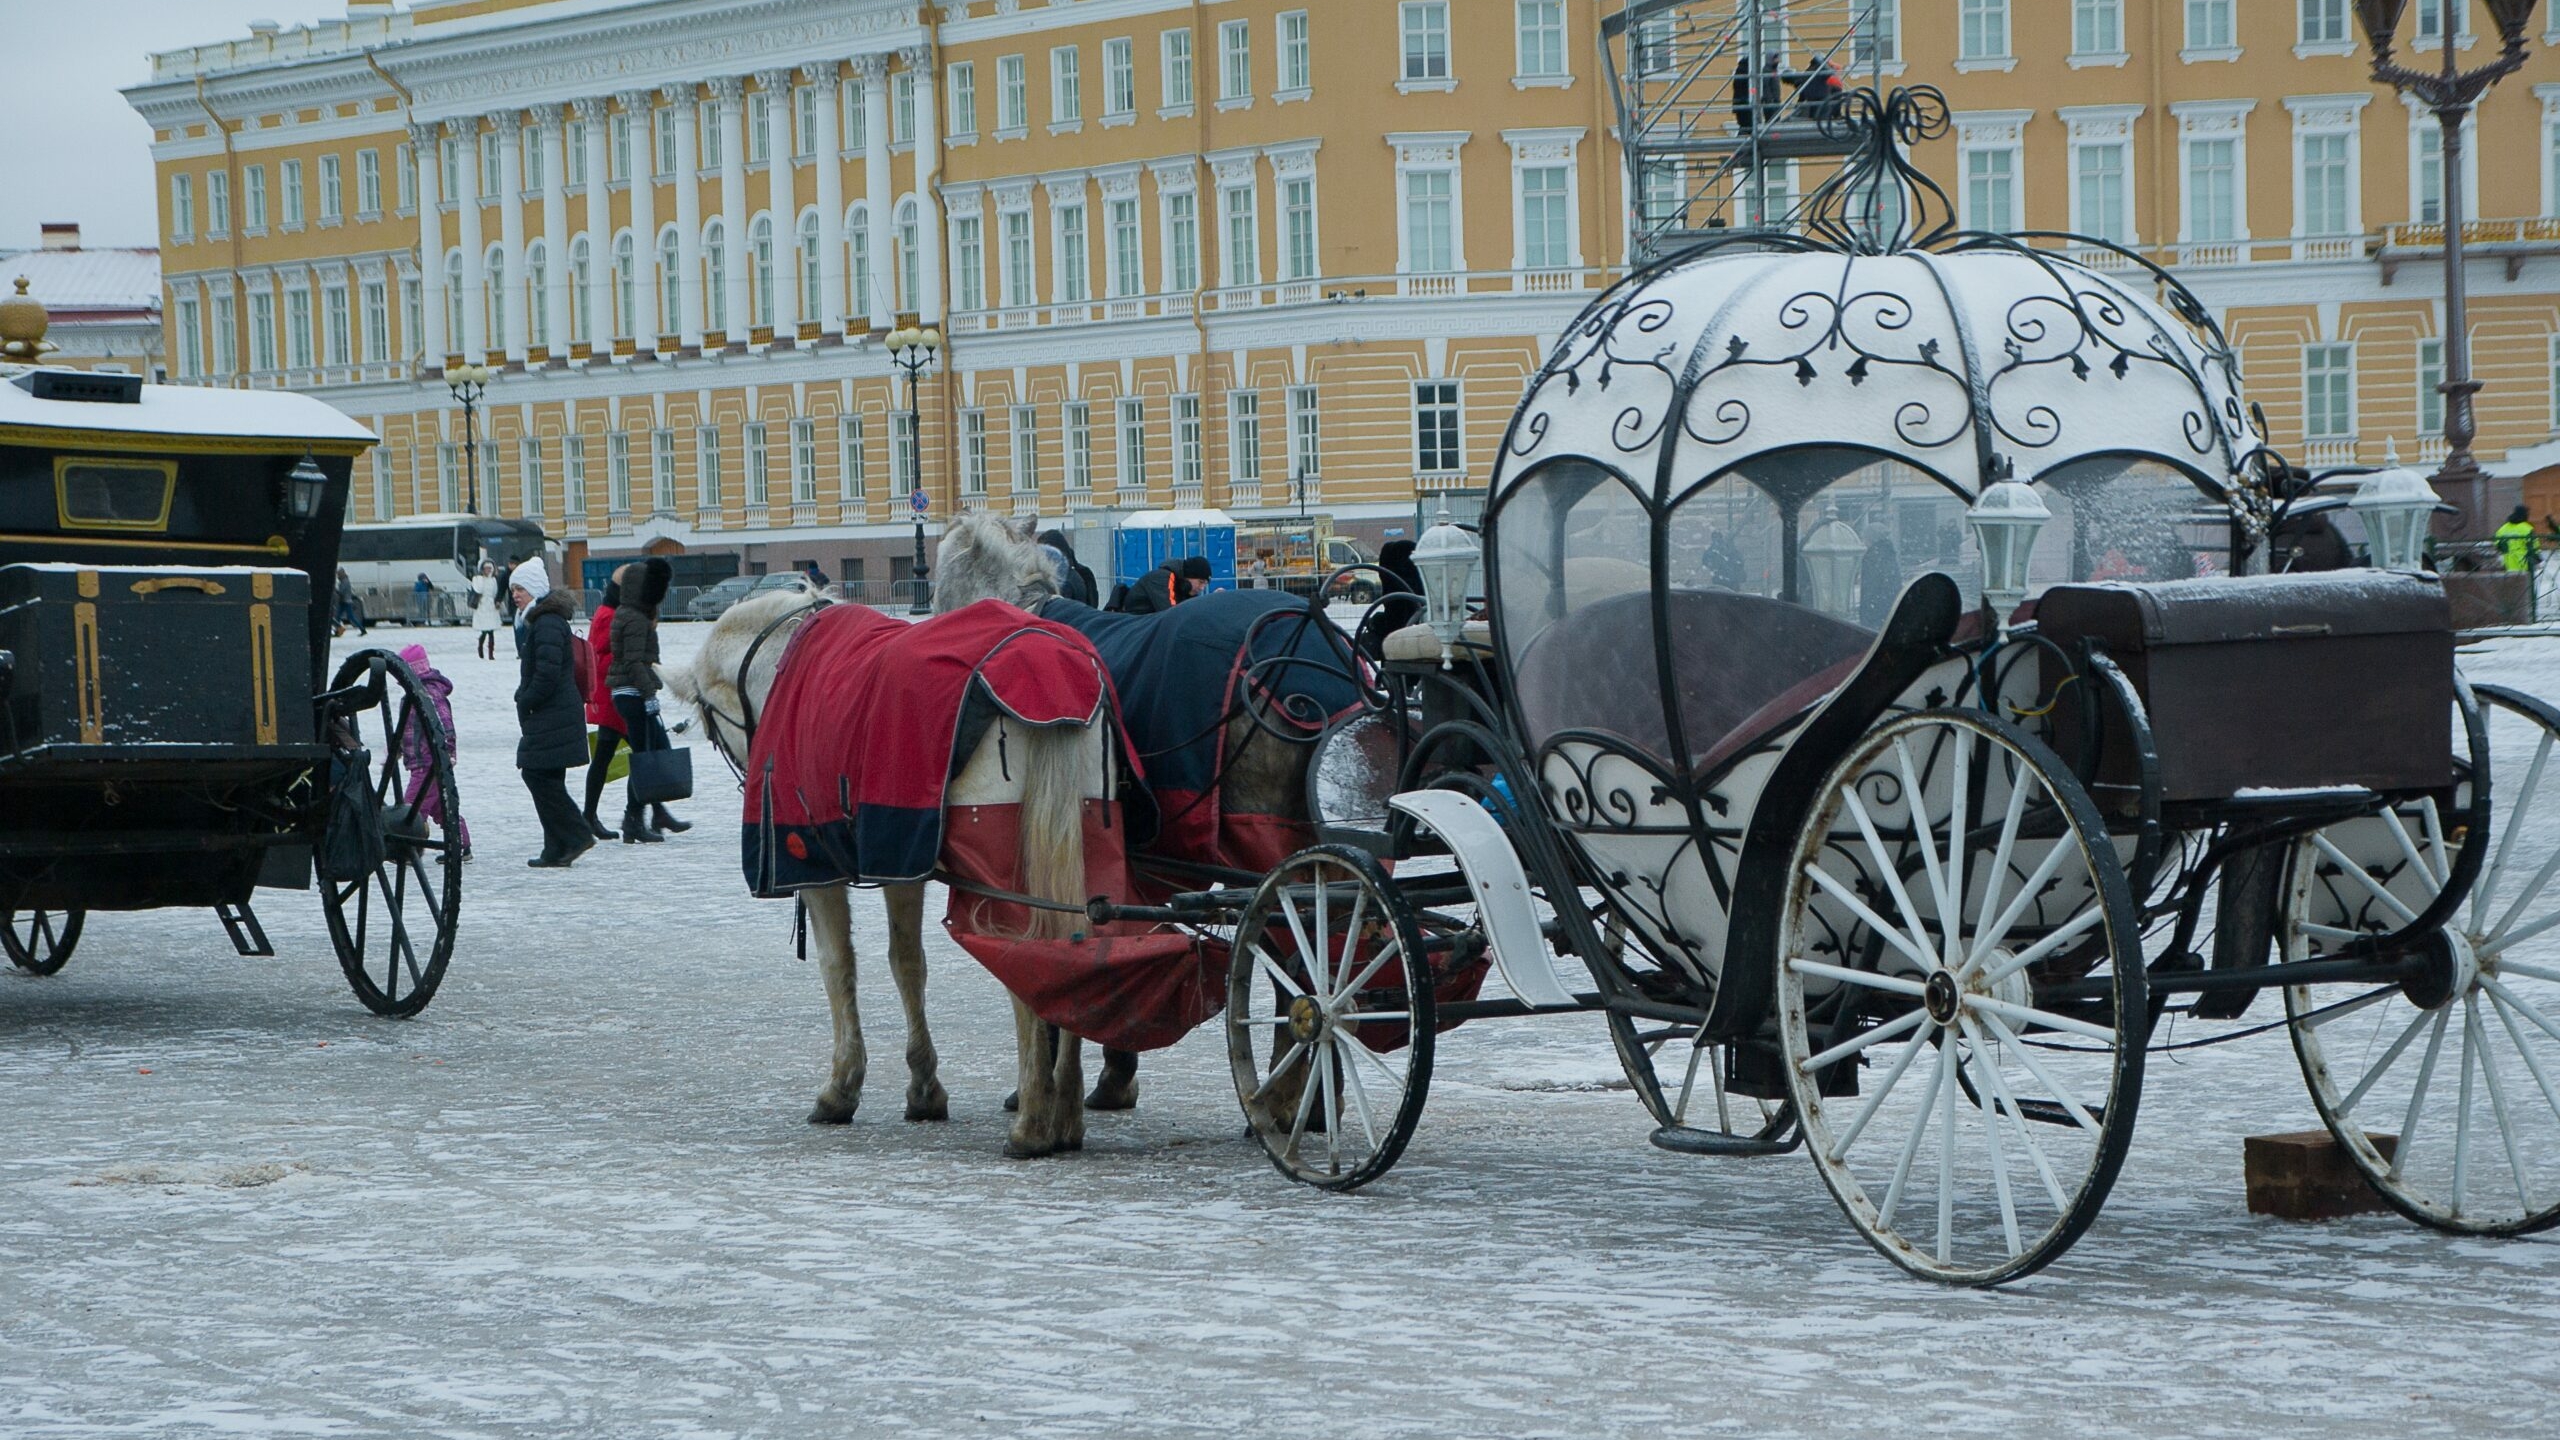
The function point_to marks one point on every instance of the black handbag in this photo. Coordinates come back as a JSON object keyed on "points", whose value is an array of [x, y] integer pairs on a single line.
{"points": [[658, 776], [351, 839]]}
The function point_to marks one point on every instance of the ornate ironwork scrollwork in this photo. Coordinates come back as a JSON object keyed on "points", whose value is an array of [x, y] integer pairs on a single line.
{"points": [[1849, 209]]}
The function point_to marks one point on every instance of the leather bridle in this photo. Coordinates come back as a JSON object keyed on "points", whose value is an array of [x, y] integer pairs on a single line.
{"points": [[745, 722]]}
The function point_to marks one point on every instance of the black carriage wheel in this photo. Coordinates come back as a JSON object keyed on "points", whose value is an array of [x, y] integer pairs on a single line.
{"points": [[393, 927], [2027, 1013], [40, 942], [1692, 1100], [2444, 1090], [1329, 1018]]}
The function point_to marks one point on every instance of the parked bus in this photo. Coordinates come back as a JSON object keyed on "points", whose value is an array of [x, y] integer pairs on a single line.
{"points": [[385, 561]]}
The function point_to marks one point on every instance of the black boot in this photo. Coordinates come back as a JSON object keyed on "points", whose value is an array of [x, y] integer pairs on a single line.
{"points": [[597, 827], [636, 833], [669, 823]]}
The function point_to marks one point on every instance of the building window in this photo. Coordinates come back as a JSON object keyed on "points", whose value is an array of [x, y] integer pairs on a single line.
{"points": [[962, 101], [332, 191], [1430, 222], [759, 464], [2213, 191], [852, 475], [529, 156], [670, 280], [853, 121], [1540, 25], [973, 452], [1075, 269], [337, 327], [1182, 242], [573, 147], [2426, 183], [902, 108], [297, 329], [369, 183], [2430, 399], [1546, 217], [293, 194], [968, 264], [1128, 275], [413, 313], [857, 232], [1177, 69], [2431, 20], [1119, 79], [1186, 442], [1244, 441], [1013, 97], [617, 148], [617, 473], [1435, 428], [529, 455], [910, 252], [662, 471], [182, 206], [1424, 25], [1878, 41], [226, 356], [489, 173], [2101, 197], [662, 122], [1306, 454], [2211, 25], [537, 279], [715, 277], [217, 204], [759, 127], [1240, 257], [1017, 259], [573, 475], [382, 483], [454, 301], [190, 338], [2328, 392], [2328, 167], [448, 477], [377, 322], [1991, 188], [760, 256], [710, 124], [1298, 229], [1133, 444], [253, 199], [1022, 446], [804, 121], [2324, 22], [804, 462], [706, 467], [1066, 86], [405, 160], [626, 284], [1235, 60], [1297, 67], [1075, 418], [1982, 29], [902, 454]]}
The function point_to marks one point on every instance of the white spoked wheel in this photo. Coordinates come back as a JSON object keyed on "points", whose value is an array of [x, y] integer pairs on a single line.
{"points": [[2444, 1089], [1961, 999], [1329, 1018]]}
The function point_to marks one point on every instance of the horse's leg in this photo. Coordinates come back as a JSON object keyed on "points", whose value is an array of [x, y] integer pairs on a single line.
{"points": [[926, 1099], [831, 925], [1067, 1091], [1035, 1129], [1118, 1087]]}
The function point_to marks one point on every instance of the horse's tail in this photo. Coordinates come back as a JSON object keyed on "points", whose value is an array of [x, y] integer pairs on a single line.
{"points": [[1053, 827]]}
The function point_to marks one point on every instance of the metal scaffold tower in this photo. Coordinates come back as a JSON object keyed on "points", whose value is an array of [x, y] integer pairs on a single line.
{"points": [[1728, 110]]}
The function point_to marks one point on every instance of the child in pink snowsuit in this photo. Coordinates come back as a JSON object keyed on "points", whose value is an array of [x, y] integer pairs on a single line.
{"points": [[413, 749]]}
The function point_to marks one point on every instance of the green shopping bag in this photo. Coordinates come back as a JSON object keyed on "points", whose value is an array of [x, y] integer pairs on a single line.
{"points": [[621, 756]]}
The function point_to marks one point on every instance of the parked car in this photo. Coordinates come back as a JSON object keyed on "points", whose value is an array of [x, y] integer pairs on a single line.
{"points": [[713, 603]]}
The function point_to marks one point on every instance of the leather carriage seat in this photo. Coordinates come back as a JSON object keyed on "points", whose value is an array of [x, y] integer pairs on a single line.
{"points": [[1744, 664]]}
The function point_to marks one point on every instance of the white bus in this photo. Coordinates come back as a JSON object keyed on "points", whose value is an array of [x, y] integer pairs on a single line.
{"points": [[385, 560]]}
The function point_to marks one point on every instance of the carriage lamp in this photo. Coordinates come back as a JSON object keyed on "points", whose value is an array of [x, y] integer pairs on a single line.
{"points": [[2397, 506], [1832, 556], [1446, 554], [2004, 521], [306, 486]]}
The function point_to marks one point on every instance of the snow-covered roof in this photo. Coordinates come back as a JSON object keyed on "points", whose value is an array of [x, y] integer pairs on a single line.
{"points": [[76, 285], [168, 412]]}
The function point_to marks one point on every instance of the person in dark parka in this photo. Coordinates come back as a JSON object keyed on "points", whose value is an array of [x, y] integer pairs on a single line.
{"points": [[1399, 602], [1076, 582], [1168, 585], [548, 711], [632, 680]]}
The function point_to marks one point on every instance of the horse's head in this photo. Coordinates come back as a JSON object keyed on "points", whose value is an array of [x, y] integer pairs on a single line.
{"points": [[984, 556], [714, 685]]}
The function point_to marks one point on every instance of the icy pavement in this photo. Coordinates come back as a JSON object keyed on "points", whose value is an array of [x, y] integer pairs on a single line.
{"points": [[577, 1198]]}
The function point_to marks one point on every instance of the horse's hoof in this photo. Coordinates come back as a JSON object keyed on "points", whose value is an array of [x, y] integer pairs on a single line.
{"points": [[1076, 1144], [935, 1107], [1016, 1149], [1106, 1098], [831, 1112], [1013, 1103]]}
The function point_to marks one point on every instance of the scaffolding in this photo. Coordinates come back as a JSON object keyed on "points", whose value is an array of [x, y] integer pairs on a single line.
{"points": [[1729, 110]]}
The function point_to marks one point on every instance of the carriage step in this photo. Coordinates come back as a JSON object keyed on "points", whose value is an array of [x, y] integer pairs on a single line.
{"points": [[1686, 1140], [241, 924]]}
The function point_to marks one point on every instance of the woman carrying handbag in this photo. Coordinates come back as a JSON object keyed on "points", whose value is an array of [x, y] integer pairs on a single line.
{"points": [[633, 679]]}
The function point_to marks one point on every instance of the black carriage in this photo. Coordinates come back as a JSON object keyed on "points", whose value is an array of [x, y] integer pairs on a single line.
{"points": [[1884, 828], [170, 734]]}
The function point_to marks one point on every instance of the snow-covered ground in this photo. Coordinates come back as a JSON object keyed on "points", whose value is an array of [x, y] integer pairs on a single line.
{"points": [[577, 1198]]}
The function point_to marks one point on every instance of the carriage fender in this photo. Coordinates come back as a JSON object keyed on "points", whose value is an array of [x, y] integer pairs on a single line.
{"points": [[1500, 887]]}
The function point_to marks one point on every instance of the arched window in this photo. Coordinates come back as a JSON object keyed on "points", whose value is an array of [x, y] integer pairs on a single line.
{"points": [[537, 283], [809, 290], [715, 277], [453, 301], [582, 273], [910, 287], [497, 263], [626, 287], [857, 234], [760, 271], [670, 282]]}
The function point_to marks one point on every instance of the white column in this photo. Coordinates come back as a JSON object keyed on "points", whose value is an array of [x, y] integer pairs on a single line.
{"points": [[829, 145], [646, 324], [507, 125], [880, 304], [430, 344], [784, 204], [475, 277], [687, 321], [556, 231], [730, 92], [928, 204], [599, 337]]}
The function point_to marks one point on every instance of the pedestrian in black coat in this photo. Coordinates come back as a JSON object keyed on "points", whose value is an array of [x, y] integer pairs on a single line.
{"points": [[632, 679], [549, 712], [1077, 582], [1168, 585]]}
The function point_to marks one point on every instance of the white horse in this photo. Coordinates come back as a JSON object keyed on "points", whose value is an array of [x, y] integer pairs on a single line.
{"points": [[1049, 773]]}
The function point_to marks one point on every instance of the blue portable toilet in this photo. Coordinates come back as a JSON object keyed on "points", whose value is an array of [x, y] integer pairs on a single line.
{"points": [[1149, 538]]}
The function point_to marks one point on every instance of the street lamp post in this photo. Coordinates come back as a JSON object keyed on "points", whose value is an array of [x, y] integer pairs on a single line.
{"points": [[911, 350], [468, 383], [2450, 93]]}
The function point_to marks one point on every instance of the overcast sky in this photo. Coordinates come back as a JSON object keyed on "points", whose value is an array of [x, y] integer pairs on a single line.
{"points": [[75, 150]]}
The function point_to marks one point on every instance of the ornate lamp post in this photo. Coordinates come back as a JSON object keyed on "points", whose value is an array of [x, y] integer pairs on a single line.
{"points": [[912, 349], [468, 383], [2451, 93]]}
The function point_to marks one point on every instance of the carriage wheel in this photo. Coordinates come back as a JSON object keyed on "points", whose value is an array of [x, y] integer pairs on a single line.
{"points": [[40, 941], [394, 927], [1967, 1087], [2445, 1089], [1329, 1017], [1682, 1083]]}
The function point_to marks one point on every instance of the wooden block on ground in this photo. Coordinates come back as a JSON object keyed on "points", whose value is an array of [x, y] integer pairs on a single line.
{"points": [[2307, 1176]]}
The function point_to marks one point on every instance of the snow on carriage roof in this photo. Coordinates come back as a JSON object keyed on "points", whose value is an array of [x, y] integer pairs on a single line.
{"points": [[169, 412], [1942, 359]]}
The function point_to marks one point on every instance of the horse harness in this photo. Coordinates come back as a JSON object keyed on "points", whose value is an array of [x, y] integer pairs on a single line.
{"points": [[745, 722]]}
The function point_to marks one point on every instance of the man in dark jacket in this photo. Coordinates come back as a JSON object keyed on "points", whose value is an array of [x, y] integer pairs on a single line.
{"points": [[1075, 582], [548, 710], [1168, 585]]}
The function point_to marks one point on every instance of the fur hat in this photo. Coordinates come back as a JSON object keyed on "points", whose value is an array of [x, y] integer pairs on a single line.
{"points": [[656, 573]]}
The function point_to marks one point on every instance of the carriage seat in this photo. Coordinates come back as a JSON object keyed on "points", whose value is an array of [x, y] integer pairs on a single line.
{"points": [[1417, 643], [1744, 664]]}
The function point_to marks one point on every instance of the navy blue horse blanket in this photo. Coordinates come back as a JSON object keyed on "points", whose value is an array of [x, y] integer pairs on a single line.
{"points": [[1182, 673]]}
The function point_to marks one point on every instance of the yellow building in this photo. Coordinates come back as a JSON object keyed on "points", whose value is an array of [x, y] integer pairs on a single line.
{"points": [[1256, 253]]}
